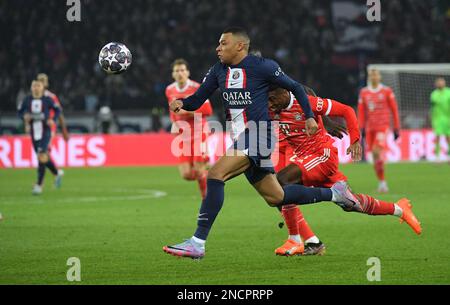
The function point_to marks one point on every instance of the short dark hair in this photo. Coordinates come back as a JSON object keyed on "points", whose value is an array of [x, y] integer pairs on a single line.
{"points": [[180, 61], [235, 30]]}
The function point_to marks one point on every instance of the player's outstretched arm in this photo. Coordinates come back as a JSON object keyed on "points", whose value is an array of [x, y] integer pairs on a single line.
{"points": [[338, 109], [278, 77], [333, 128], [361, 114], [196, 100], [56, 109], [62, 123], [24, 115], [394, 110]]}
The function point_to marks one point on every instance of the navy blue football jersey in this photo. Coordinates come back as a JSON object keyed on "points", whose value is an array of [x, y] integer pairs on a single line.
{"points": [[39, 110], [244, 89]]}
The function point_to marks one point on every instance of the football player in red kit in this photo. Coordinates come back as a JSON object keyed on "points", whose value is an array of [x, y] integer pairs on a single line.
{"points": [[315, 163], [376, 104], [194, 154]]}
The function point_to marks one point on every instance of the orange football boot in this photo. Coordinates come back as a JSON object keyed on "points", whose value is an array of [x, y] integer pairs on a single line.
{"points": [[408, 215], [290, 248]]}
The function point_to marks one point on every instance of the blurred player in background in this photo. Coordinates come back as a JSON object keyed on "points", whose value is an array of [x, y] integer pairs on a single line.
{"points": [[440, 113], [315, 162], [193, 165], [376, 104], [42, 77], [36, 111]]}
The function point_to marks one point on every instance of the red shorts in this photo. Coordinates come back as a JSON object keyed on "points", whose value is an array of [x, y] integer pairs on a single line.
{"points": [[376, 138], [285, 152], [321, 168], [198, 151]]}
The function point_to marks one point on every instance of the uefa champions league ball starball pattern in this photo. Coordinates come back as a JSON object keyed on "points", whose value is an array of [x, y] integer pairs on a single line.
{"points": [[115, 58]]}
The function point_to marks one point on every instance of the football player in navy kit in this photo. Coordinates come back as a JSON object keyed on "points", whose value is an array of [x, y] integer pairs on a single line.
{"points": [[244, 82], [35, 111]]}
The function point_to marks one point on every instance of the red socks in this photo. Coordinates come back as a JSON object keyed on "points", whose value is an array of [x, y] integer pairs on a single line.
{"points": [[303, 227], [372, 206], [379, 169], [291, 216], [295, 222]]}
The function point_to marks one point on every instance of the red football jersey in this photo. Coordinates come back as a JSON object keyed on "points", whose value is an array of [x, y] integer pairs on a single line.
{"points": [[375, 107], [53, 96], [292, 124], [173, 92]]}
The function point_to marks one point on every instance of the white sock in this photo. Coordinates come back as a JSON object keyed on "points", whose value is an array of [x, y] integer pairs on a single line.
{"points": [[295, 238], [397, 211], [312, 240], [199, 241]]}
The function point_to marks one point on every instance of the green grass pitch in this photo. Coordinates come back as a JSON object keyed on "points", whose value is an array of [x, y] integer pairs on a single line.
{"points": [[116, 220]]}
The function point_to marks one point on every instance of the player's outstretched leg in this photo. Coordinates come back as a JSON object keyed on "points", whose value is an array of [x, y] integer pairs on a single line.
{"points": [[401, 209], [371, 206], [232, 164]]}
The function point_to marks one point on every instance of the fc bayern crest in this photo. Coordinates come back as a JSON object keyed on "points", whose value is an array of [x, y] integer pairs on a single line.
{"points": [[298, 116], [236, 75]]}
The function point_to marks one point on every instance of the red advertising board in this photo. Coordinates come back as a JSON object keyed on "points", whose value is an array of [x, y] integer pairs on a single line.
{"points": [[154, 149]]}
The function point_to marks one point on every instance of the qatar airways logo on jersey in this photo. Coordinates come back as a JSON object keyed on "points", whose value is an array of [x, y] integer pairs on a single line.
{"points": [[237, 98]]}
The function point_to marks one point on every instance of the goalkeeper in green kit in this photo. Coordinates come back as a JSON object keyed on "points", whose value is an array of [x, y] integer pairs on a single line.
{"points": [[440, 113]]}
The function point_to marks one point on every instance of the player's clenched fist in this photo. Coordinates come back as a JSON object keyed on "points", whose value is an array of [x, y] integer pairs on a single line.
{"points": [[176, 105]]}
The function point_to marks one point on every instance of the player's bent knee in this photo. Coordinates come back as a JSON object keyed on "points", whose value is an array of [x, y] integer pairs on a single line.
{"points": [[273, 201], [213, 173], [282, 179]]}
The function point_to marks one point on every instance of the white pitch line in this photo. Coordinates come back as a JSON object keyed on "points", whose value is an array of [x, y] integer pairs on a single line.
{"points": [[141, 194]]}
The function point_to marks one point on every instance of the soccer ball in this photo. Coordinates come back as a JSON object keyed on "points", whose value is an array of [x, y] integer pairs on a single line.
{"points": [[115, 58]]}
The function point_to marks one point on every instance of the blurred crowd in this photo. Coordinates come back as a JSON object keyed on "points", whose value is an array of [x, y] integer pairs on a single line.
{"points": [[300, 35]]}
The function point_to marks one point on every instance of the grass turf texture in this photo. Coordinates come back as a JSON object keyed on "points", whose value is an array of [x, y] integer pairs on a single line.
{"points": [[116, 220]]}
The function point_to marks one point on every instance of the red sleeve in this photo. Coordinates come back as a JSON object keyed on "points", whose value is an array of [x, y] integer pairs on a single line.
{"points": [[205, 109], [333, 108], [55, 100], [361, 112], [394, 109]]}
